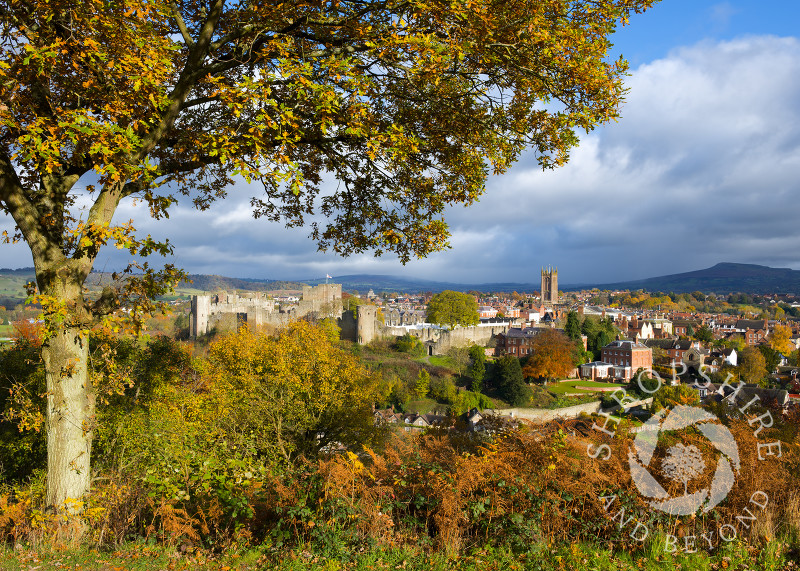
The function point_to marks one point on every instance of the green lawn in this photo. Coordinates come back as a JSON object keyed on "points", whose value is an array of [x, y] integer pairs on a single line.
{"points": [[571, 386]]}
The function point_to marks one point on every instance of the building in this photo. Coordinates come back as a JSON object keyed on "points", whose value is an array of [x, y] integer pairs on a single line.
{"points": [[596, 370], [755, 331], [549, 286], [626, 357], [517, 341]]}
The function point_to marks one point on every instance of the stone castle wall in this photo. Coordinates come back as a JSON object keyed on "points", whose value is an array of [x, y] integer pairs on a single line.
{"points": [[438, 341], [227, 311]]}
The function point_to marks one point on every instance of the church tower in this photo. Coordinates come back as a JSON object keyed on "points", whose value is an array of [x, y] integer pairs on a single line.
{"points": [[549, 286]]}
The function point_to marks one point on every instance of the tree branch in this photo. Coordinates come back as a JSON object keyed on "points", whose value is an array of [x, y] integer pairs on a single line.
{"points": [[187, 37]]}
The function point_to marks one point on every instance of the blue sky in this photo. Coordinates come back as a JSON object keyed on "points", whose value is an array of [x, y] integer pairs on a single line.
{"points": [[703, 167]]}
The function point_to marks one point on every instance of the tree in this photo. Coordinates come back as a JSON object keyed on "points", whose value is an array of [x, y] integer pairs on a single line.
{"points": [[752, 365], [771, 358], [669, 396], [423, 384], [573, 326], [407, 105], [459, 358], [780, 339], [477, 367], [552, 356], [510, 381], [704, 334], [453, 308], [293, 393]]}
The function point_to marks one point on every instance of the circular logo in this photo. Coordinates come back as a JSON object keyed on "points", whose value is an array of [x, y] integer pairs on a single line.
{"points": [[683, 463]]}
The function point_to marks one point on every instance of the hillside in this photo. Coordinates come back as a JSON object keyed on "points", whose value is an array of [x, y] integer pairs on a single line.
{"points": [[724, 277]]}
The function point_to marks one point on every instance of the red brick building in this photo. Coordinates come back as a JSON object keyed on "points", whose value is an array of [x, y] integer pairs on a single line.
{"points": [[517, 341], [627, 357]]}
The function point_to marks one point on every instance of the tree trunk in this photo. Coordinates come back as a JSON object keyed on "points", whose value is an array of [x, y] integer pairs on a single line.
{"points": [[70, 408]]}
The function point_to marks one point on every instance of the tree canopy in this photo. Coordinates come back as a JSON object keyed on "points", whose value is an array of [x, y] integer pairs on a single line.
{"points": [[406, 105], [552, 356], [510, 382], [453, 308]]}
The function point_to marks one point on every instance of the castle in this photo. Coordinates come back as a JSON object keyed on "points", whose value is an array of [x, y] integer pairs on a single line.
{"points": [[229, 311]]}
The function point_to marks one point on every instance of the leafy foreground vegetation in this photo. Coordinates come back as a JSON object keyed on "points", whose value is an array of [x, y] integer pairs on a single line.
{"points": [[260, 452], [540, 556]]}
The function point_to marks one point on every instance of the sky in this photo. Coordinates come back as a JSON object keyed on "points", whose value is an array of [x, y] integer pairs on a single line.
{"points": [[703, 167]]}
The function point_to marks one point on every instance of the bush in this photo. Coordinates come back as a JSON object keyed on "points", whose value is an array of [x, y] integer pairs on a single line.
{"points": [[411, 345]]}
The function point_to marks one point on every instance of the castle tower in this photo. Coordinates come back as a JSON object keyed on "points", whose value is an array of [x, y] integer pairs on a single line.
{"points": [[366, 321], [201, 308], [549, 286]]}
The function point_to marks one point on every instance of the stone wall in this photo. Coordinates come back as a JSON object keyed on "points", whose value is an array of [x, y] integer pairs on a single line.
{"points": [[547, 415], [438, 341], [227, 311]]}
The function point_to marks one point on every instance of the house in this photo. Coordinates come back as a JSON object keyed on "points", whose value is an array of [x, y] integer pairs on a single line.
{"points": [[387, 416], [517, 341], [702, 390], [664, 345], [682, 326], [487, 312], [640, 330], [627, 357], [728, 356], [755, 331]]}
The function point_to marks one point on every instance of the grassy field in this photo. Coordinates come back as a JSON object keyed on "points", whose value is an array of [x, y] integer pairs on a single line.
{"points": [[571, 386]]}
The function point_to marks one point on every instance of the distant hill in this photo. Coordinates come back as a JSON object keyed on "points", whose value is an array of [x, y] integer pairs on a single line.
{"points": [[722, 278], [725, 277], [217, 283]]}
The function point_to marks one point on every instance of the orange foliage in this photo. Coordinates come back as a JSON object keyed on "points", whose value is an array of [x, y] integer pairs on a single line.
{"points": [[551, 356], [29, 331]]}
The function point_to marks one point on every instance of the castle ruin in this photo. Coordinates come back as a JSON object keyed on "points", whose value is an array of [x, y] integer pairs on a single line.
{"points": [[229, 311]]}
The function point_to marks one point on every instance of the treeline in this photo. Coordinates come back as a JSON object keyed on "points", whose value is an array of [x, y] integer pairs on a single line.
{"points": [[734, 304]]}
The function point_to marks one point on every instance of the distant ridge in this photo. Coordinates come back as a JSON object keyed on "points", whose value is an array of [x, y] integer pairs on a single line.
{"points": [[724, 277]]}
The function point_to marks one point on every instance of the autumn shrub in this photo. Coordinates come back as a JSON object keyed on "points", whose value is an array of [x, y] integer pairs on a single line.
{"points": [[203, 447], [539, 484]]}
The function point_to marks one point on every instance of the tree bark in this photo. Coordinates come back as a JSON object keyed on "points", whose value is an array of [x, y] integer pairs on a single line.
{"points": [[70, 402]]}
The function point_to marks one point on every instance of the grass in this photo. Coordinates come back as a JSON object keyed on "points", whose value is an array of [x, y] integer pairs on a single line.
{"points": [[423, 406], [6, 330], [571, 386], [137, 556], [437, 361]]}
